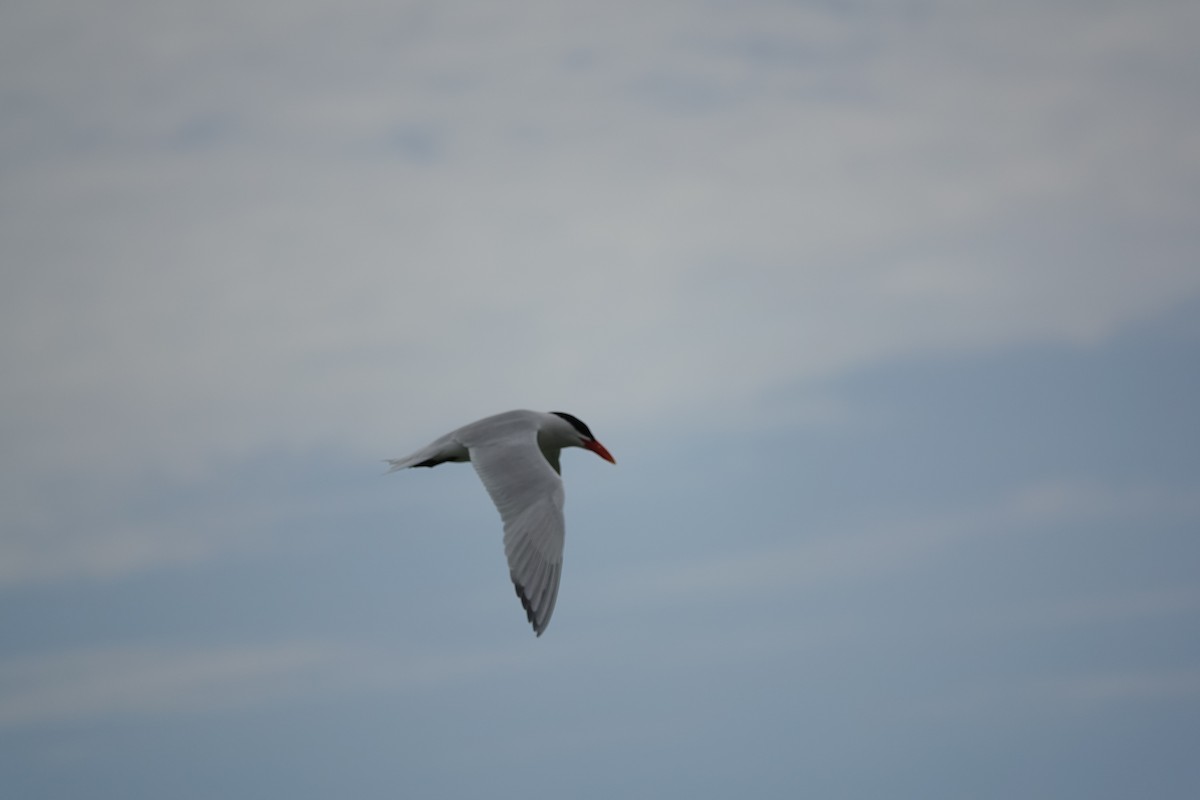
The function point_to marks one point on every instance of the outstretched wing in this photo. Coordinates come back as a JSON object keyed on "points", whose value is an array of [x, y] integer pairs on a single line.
{"points": [[529, 496]]}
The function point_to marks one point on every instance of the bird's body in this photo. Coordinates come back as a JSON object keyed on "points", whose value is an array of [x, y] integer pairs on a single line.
{"points": [[516, 455]]}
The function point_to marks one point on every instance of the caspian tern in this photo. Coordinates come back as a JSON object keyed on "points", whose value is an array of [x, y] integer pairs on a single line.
{"points": [[516, 457]]}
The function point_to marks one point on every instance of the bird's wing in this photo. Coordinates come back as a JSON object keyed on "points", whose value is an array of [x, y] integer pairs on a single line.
{"points": [[529, 496]]}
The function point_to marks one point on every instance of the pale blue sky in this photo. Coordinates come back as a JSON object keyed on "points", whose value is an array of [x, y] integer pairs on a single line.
{"points": [[888, 311]]}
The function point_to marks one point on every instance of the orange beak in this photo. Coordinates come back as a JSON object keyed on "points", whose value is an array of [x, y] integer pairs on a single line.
{"points": [[600, 450]]}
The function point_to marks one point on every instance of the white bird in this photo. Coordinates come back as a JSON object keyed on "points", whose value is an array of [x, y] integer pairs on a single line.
{"points": [[516, 457]]}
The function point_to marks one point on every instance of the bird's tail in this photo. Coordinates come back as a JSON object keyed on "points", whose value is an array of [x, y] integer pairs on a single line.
{"points": [[395, 464], [441, 451]]}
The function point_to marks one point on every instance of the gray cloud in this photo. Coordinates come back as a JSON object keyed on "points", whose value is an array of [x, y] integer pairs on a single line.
{"points": [[205, 231]]}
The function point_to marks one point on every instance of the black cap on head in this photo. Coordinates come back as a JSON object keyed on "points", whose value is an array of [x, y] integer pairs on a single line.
{"points": [[576, 423]]}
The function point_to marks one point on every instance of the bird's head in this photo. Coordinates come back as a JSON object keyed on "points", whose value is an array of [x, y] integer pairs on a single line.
{"points": [[580, 435]]}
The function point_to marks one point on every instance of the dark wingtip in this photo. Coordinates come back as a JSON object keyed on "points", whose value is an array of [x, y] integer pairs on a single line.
{"points": [[576, 423], [525, 604]]}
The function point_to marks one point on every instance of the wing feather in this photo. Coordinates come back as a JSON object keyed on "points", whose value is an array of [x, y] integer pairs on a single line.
{"points": [[528, 493]]}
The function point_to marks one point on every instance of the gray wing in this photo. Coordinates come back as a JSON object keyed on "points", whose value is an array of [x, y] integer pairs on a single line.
{"points": [[529, 496]]}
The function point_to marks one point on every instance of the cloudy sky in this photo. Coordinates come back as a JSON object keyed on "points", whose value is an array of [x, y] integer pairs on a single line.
{"points": [[889, 311]]}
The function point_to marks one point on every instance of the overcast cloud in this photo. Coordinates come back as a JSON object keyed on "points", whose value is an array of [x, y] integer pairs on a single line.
{"points": [[887, 311]]}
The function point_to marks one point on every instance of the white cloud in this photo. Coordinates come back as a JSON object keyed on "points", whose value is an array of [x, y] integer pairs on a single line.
{"points": [[79, 535], [1070, 500], [217, 233], [861, 552], [1112, 608], [845, 557], [1001, 699], [38, 556], [1173, 685], [164, 680], [143, 680]]}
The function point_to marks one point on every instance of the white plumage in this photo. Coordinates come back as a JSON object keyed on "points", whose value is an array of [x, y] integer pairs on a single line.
{"points": [[516, 455]]}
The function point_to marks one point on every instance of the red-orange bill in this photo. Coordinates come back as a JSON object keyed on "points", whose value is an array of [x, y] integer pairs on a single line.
{"points": [[600, 450]]}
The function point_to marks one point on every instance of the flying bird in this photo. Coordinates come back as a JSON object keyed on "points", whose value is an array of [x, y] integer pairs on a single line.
{"points": [[516, 455]]}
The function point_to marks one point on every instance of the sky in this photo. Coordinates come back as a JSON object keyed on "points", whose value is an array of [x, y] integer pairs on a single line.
{"points": [[889, 312]]}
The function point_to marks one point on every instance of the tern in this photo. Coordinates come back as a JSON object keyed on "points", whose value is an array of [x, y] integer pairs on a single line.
{"points": [[516, 455]]}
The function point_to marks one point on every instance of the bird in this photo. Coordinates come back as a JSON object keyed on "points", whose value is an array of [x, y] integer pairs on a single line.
{"points": [[516, 455]]}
